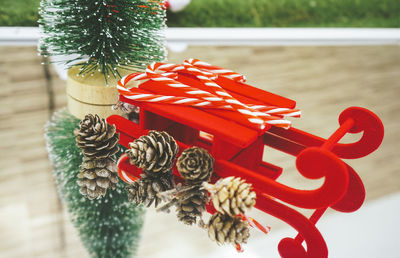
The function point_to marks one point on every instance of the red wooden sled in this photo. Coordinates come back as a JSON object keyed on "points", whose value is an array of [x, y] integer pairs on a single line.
{"points": [[238, 151]]}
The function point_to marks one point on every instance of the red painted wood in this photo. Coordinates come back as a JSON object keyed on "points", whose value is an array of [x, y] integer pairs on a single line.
{"points": [[288, 247], [125, 126], [222, 150], [151, 87], [256, 95], [364, 121], [354, 196], [269, 170], [251, 156], [183, 133], [200, 120]]}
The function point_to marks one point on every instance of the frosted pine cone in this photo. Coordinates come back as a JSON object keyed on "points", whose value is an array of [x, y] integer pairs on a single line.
{"points": [[155, 152], [191, 205], [225, 229], [145, 190], [195, 165], [231, 195], [96, 176], [96, 138]]}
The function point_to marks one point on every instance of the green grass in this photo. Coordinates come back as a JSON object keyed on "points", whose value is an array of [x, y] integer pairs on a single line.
{"points": [[289, 13], [251, 13], [19, 12]]}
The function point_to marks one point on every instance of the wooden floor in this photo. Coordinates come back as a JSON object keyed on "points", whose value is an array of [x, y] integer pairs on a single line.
{"points": [[323, 81]]}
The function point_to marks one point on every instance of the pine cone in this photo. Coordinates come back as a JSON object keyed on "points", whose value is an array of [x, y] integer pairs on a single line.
{"points": [[155, 152], [96, 138], [144, 191], [191, 205], [96, 176], [225, 229], [231, 195], [195, 165]]}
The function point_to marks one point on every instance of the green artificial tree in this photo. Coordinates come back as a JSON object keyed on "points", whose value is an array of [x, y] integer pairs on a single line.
{"points": [[102, 38], [103, 34], [109, 226]]}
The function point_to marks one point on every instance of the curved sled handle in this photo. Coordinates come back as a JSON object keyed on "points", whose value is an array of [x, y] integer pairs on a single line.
{"points": [[354, 196], [293, 141], [289, 247], [364, 121], [313, 163]]}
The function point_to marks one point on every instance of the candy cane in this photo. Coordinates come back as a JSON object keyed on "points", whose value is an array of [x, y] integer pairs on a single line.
{"points": [[175, 100], [138, 95], [200, 98], [167, 81], [273, 110], [277, 111], [122, 174], [269, 110], [239, 248], [173, 68], [153, 75], [255, 224], [217, 70], [205, 78], [253, 115]]}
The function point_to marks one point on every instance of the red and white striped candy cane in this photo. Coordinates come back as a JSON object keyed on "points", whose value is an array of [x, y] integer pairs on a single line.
{"points": [[272, 110], [200, 97], [217, 70], [277, 111], [221, 93], [269, 110], [255, 224], [252, 115], [205, 78], [128, 178], [167, 80], [138, 95]]}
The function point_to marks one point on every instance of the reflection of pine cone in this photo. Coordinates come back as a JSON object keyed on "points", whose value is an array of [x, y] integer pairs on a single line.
{"points": [[191, 205], [225, 229], [146, 188], [154, 152], [231, 195], [96, 137], [195, 165], [96, 176]]}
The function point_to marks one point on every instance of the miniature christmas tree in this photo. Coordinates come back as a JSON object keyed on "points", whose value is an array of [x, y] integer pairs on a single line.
{"points": [[103, 35], [108, 226]]}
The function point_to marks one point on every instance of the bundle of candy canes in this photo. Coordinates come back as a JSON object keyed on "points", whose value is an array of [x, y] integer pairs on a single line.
{"points": [[209, 95]]}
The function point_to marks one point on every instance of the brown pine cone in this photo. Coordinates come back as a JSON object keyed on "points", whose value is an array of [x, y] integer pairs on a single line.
{"points": [[191, 205], [145, 190], [155, 152], [96, 176], [96, 138], [195, 165], [225, 229], [231, 195]]}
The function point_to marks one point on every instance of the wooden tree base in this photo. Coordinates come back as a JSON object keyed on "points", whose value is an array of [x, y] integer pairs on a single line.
{"points": [[90, 94]]}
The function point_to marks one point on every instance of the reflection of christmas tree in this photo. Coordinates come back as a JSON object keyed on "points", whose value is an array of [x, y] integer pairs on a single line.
{"points": [[108, 226], [105, 37], [106, 34]]}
